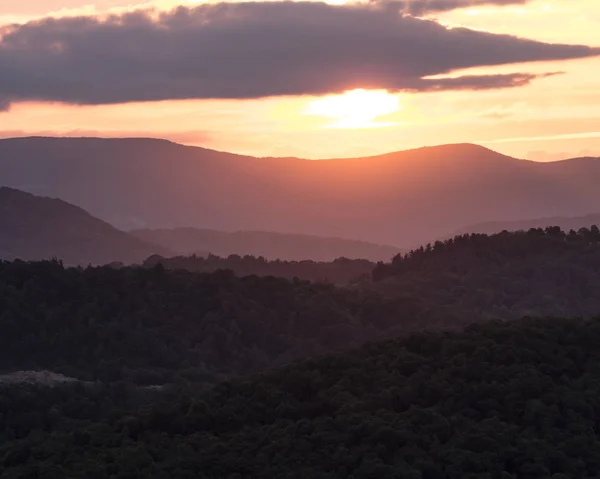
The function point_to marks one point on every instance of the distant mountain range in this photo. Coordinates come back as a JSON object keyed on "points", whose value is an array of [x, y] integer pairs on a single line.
{"points": [[33, 228], [271, 246], [403, 198], [565, 223]]}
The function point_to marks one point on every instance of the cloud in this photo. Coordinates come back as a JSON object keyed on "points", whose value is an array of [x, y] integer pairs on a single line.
{"points": [[412, 7], [4, 104], [253, 50], [424, 7], [478, 82]]}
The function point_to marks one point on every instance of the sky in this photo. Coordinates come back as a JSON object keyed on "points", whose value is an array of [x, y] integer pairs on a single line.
{"points": [[306, 78]]}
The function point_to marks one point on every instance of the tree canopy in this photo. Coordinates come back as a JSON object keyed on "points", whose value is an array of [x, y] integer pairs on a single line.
{"points": [[506, 275], [153, 323], [340, 271], [500, 400]]}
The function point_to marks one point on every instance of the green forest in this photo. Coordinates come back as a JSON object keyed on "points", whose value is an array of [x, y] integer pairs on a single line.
{"points": [[411, 371], [500, 400], [506, 275], [150, 324]]}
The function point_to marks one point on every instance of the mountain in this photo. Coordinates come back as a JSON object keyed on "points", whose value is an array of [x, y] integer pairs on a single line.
{"points": [[154, 326], [269, 245], [157, 325], [499, 400], [34, 228], [401, 198], [563, 222], [506, 275]]}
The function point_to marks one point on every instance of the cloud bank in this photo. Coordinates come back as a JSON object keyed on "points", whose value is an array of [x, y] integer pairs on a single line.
{"points": [[253, 50], [424, 7], [412, 7]]}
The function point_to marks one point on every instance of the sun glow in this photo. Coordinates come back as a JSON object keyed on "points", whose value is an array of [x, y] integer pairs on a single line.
{"points": [[356, 108]]}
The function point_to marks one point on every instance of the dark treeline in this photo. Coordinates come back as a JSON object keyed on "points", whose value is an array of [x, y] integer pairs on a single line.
{"points": [[153, 325], [506, 275], [497, 401], [339, 271], [149, 324], [500, 400]]}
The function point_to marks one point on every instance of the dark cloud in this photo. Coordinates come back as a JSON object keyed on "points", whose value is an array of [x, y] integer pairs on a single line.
{"points": [[253, 50], [4, 104], [423, 7], [413, 7], [419, 8], [479, 82]]}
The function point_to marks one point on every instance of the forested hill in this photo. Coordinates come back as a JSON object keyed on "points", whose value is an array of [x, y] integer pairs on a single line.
{"points": [[508, 275], [34, 228], [154, 325], [340, 271], [517, 400]]}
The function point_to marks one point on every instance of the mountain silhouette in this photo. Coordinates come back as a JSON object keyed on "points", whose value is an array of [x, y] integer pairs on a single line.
{"points": [[270, 245], [33, 228], [403, 198]]}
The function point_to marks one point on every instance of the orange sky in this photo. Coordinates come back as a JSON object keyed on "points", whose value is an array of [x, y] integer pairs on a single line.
{"points": [[550, 118]]}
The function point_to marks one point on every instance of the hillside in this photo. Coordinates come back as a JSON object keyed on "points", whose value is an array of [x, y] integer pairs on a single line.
{"points": [[563, 222], [156, 325], [34, 228], [269, 245], [341, 271], [402, 198], [506, 275], [152, 326], [500, 400]]}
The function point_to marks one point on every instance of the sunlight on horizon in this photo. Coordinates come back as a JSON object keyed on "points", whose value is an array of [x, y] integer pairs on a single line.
{"points": [[357, 108]]}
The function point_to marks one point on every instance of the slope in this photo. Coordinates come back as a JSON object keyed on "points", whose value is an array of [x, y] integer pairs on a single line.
{"points": [[506, 275], [152, 326], [270, 245], [402, 198], [33, 228], [500, 400], [156, 325], [341, 271]]}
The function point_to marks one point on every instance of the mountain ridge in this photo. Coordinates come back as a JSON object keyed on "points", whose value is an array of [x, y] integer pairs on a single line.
{"points": [[271, 245], [473, 147], [34, 228], [400, 198]]}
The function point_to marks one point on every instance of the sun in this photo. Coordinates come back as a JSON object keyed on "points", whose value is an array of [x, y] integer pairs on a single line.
{"points": [[356, 108]]}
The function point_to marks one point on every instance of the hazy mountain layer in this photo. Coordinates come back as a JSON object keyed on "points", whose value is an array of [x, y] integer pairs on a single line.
{"points": [[402, 198], [33, 228], [270, 245]]}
